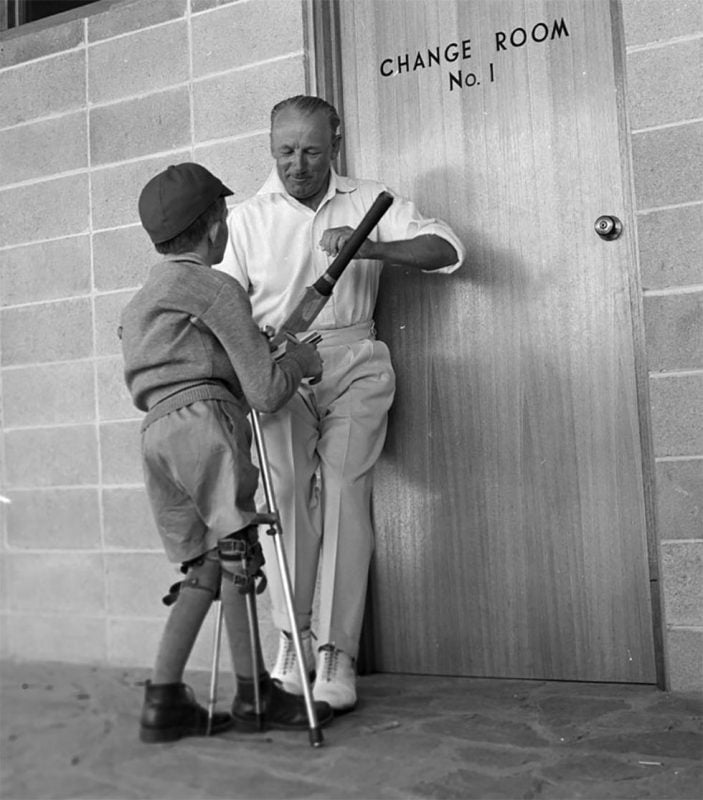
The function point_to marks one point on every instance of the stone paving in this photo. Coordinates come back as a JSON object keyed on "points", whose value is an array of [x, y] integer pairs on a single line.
{"points": [[70, 731]]}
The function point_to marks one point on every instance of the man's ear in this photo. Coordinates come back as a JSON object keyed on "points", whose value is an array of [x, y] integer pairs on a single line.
{"points": [[336, 144]]}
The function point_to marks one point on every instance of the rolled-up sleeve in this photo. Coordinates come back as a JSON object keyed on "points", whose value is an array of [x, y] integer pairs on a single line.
{"points": [[403, 220]]}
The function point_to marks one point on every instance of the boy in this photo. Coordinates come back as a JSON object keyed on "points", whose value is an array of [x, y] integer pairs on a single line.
{"points": [[195, 361]]}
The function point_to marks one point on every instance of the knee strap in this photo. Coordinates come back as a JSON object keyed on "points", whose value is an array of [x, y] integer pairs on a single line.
{"points": [[241, 558], [194, 581]]}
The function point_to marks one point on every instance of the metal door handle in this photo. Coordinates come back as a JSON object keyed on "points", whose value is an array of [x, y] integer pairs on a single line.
{"points": [[608, 227]]}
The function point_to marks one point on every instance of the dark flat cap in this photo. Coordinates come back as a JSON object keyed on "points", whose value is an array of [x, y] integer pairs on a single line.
{"points": [[172, 200]]}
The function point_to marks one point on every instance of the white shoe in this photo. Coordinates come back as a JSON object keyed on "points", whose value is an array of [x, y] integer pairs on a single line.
{"points": [[336, 679], [286, 669]]}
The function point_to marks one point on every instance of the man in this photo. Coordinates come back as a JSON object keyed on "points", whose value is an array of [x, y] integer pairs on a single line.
{"points": [[323, 444]]}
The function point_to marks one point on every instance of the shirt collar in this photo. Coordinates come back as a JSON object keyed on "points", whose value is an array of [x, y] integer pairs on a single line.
{"points": [[338, 183], [192, 258]]}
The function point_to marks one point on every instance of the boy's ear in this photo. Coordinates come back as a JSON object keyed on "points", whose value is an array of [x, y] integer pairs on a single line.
{"points": [[213, 230]]}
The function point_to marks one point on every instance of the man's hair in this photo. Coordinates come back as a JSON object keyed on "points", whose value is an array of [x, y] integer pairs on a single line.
{"points": [[307, 104], [191, 237]]}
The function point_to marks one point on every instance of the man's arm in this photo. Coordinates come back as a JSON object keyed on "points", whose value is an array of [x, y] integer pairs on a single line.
{"points": [[427, 251]]}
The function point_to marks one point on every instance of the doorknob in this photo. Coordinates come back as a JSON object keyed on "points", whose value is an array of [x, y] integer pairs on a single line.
{"points": [[608, 227]]}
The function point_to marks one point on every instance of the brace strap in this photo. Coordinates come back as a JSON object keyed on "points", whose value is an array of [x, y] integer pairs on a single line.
{"points": [[192, 583], [243, 549]]}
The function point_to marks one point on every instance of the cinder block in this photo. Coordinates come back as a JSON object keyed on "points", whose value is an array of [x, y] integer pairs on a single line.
{"points": [[116, 190], [668, 165], [240, 102], [49, 395], [3, 582], [674, 331], [682, 582], [665, 85], [46, 210], [66, 456], [45, 271], [244, 33], [126, 17], [133, 642], [4, 638], [40, 149], [114, 400], [42, 88], [241, 164], [120, 450], [659, 20], [140, 62], [57, 331], [122, 258], [54, 519], [136, 582], [679, 488], [671, 247], [41, 42], [677, 423], [684, 648], [61, 637], [134, 128], [56, 582], [206, 5], [128, 521], [108, 308]]}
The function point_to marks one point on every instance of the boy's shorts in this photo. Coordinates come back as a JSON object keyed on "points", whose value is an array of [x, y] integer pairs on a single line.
{"points": [[199, 476]]}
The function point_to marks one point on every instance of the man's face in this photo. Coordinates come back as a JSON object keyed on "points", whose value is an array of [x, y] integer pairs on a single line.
{"points": [[304, 147]]}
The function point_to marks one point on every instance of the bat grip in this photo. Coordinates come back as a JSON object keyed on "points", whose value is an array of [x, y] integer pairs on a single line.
{"points": [[326, 282]]}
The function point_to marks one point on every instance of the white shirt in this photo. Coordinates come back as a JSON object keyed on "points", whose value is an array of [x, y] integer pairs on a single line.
{"points": [[274, 252]]}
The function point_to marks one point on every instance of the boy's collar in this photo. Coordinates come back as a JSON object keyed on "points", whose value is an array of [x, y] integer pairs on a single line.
{"points": [[189, 257]]}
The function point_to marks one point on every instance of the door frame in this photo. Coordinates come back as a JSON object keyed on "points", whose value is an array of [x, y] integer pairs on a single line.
{"points": [[324, 78]]}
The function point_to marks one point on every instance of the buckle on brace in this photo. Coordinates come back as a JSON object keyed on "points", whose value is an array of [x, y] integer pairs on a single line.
{"points": [[232, 549]]}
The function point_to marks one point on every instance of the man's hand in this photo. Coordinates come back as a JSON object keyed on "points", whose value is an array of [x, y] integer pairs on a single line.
{"points": [[334, 239]]}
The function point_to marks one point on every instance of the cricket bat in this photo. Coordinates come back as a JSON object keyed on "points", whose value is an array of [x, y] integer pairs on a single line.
{"points": [[316, 296]]}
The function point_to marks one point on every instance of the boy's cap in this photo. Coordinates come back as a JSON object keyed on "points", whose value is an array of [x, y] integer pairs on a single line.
{"points": [[176, 197]]}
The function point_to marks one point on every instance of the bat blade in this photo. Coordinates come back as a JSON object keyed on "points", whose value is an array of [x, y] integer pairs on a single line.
{"points": [[308, 307]]}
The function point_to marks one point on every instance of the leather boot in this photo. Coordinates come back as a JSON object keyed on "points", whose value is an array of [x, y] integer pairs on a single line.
{"points": [[171, 712], [280, 709]]}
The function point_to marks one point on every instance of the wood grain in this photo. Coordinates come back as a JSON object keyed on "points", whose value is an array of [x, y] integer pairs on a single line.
{"points": [[509, 500]]}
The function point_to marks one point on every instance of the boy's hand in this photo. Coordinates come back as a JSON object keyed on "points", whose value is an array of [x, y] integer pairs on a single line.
{"points": [[313, 362]]}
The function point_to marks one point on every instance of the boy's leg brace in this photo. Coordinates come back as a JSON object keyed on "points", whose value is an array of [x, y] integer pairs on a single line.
{"points": [[242, 558], [193, 579]]}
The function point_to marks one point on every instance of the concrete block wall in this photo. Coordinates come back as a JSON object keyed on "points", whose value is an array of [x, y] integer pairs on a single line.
{"points": [[94, 103], [664, 55]]}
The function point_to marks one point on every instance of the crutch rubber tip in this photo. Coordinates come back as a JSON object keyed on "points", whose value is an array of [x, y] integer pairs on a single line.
{"points": [[316, 738]]}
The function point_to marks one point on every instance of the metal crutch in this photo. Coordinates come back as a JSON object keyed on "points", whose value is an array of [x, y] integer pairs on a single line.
{"points": [[215, 666], [315, 732], [253, 623]]}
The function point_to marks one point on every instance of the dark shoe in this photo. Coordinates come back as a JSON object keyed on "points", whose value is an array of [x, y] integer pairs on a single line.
{"points": [[170, 712], [280, 709]]}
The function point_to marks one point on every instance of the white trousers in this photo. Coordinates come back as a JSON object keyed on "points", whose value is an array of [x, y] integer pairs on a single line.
{"points": [[322, 447]]}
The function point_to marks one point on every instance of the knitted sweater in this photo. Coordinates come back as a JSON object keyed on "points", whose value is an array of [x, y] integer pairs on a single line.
{"points": [[188, 334]]}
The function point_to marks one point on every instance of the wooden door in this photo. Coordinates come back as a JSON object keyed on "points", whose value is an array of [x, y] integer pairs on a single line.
{"points": [[510, 501]]}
